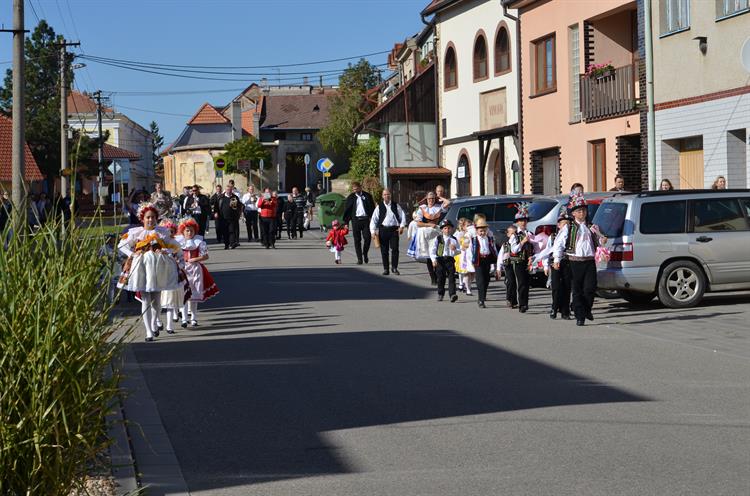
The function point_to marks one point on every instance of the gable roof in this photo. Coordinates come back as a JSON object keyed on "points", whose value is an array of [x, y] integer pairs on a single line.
{"points": [[436, 5], [31, 169], [248, 116], [81, 103], [296, 111], [112, 152], [208, 114]]}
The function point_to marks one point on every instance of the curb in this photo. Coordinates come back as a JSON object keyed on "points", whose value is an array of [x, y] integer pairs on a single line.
{"points": [[121, 456]]}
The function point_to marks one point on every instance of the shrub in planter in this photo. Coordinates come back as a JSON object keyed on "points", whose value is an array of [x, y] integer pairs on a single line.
{"points": [[56, 341]]}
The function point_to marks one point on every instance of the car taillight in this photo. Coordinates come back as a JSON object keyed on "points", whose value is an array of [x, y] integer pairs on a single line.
{"points": [[621, 252], [548, 230]]}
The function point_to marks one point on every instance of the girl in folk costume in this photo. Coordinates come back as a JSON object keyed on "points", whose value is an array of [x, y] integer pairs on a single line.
{"points": [[579, 241], [428, 217], [195, 251], [464, 265], [521, 251], [174, 300], [483, 255], [150, 267], [336, 239], [504, 266]]}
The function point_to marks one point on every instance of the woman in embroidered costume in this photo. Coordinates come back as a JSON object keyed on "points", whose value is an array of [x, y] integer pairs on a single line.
{"points": [[195, 251], [428, 217], [173, 301], [150, 267]]}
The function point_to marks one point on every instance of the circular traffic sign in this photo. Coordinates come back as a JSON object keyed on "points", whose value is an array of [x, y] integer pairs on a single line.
{"points": [[220, 164], [307, 159]]}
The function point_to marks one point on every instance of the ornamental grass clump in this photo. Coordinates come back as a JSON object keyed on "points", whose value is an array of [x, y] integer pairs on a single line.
{"points": [[57, 341]]}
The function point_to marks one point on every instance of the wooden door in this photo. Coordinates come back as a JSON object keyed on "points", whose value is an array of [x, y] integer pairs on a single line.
{"points": [[691, 169], [599, 165]]}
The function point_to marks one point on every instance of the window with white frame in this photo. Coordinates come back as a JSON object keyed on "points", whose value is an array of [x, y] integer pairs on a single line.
{"points": [[726, 8], [575, 73], [674, 15]]}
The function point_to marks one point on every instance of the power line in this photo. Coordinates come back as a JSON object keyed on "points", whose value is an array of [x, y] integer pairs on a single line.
{"points": [[272, 66], [324, 72], [154, 111], [34, 12]]}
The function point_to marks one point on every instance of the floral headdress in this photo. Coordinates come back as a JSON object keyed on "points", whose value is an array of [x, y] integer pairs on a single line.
{"points": [[523, 210], [168, 224], [187, 222], [145, 207], [576, 201]]}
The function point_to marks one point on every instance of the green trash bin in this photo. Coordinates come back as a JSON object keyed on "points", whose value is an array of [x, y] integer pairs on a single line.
{"points": [[330, 207]]}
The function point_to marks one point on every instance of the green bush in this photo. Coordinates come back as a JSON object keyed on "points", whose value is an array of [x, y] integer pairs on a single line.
{"points": [[56, 342], [365, 160]]}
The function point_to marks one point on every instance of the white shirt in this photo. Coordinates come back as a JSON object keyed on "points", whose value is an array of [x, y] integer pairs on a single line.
{"points": [[515, 240], [584, 243], [250, 200], [484, 245], [390, 218], [433, 211], [361, 212], [450, 247]]}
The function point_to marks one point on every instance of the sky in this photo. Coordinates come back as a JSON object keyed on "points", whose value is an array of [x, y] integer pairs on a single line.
{"points": [[212, 33]]}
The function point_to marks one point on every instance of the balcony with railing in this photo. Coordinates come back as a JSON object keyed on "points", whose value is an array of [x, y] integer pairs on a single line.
{"points": [[609, 93]]}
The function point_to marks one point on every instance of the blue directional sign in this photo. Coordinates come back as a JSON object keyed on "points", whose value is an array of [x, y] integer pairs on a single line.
{"points": [[324, 164]]}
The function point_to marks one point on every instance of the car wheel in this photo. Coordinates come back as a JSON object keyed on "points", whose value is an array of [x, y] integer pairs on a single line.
{"points": [[681, 285], [635, 297]]}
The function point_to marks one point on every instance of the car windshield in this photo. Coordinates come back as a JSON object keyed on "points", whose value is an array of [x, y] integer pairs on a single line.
{"points": [[610, 217]]}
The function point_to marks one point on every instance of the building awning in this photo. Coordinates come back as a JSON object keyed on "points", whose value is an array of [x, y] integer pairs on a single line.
{"points": [[418, 171], [499, 132]]}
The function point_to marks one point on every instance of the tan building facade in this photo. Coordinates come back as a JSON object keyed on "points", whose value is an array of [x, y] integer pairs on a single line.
{"points": [[701, 92], [580, 69]]}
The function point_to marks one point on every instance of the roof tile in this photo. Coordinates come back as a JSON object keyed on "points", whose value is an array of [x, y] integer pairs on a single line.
{"points": [[31, 169], [208, 114]]}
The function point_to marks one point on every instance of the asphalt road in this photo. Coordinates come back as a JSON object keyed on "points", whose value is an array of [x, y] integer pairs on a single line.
{"points": [[307, 378]]}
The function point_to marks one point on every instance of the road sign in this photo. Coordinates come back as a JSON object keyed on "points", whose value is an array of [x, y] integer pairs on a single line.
{"points": [[243, 164], [326, 174], [220, 164], [307, 159], [324, 164], [261, 163]]}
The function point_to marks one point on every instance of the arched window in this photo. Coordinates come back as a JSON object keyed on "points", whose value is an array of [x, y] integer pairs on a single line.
{"points": [[502, 51], [463, 175], [480, 58], [451, 68]]}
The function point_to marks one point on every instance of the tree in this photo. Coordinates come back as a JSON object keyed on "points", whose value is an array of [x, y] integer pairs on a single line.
{"points": [[247, 148], [348, 108], [365, 160], [157, 140], [83, 149], [42, 74]]}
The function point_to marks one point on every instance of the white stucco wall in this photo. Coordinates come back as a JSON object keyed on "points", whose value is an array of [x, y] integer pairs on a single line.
{"points": [[713, 120], [460, 107]]}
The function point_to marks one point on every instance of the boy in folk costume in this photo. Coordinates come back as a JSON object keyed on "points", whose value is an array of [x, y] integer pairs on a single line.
{"points": [[442, 255], [174, 300], [579, 241], [336, 239], [150, 267], [195, 251], [484, 255], [521, 251], [505, 266], [559, 280]]}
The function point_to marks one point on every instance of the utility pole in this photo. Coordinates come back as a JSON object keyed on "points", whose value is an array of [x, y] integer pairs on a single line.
{"points": [[19, 118], [102, 194], [64, 181]]}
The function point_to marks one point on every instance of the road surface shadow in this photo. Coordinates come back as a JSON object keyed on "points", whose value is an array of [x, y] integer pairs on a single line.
{"points": [[281, 286], [253, 409]]}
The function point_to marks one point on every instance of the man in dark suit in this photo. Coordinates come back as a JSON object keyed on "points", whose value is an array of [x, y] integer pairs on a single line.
{"points": [[214, 202], [198, 207], [228, 214], [358, 210]]}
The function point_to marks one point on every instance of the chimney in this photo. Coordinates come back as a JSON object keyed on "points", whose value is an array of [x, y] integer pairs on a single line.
{"points": [[264, 83], [305, 81], [236, 120], [321, 81], [256, 125]]}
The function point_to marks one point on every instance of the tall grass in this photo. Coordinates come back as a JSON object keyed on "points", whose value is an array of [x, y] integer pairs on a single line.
{"points": [[56, 341]]}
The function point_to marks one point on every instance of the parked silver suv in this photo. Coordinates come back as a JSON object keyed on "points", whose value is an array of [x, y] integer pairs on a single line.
{"points": [[676, 244]]}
